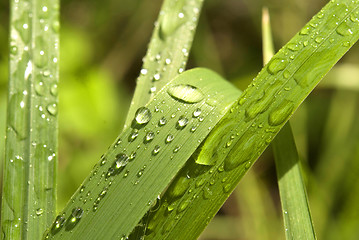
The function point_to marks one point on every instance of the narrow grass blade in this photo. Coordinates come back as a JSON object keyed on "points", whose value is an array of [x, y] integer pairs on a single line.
{"points": [[168, 50], [253, 121], [146, 157], [296, 212], [29, 183], [293, 196]]}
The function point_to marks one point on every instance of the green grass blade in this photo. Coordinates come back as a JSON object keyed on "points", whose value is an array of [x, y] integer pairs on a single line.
{"points": [[294, 201], [29, 180], [247, 129], [168, 50], [296, 212], [146, 157]]}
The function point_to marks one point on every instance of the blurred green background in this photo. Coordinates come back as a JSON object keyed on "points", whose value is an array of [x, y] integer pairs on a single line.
{"points": [[102, 46]]}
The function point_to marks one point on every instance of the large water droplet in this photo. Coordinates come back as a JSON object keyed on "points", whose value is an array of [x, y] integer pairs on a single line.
{"points": [[53, 89], [242, 152], [281, 113], [58, 224], [185, 93], [120, 162], [344, 30], [133, 135], [182, 122], [143, 115], [276, 65], [74, 219], [179, 187], [18, 117]]}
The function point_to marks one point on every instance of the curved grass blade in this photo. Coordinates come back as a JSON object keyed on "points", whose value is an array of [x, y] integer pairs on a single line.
{"points": [[168, 50], [29, 183], [253, 121], [146, 157], [296, 213]]}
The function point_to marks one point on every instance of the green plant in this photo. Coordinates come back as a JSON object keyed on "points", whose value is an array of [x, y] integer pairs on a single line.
{"points": [[188, 139]]}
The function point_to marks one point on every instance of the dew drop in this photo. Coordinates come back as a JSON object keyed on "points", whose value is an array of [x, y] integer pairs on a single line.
{"points": [[169, 138], [39, 87], [281, 113], [185, 93], [176, 149], [276, 65], [58, 224], [286, 74], [344, 30], [39, 211], [293, 47], [182, 122], [149, 137], [143, 115], [156, 150], [19, 114], [133, 135], [197, 112], [74, 219], [183, 205], [156, 77], [179, 187], [53, 89], [304, 31], [162, 121], [52, 109]]}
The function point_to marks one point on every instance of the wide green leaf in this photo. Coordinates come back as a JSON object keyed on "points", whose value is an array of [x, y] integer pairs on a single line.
{"points": [[29, 180]]}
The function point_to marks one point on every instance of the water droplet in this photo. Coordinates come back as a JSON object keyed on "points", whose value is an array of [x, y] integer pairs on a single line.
{"points": [[207, 193], [344, 30], [183, 205], [227, 188], [144, 71], [58, 224], [182, 122], [18, 117], [133, 135], [176, 149], [53, 89], [179, 187], [304, 31], [286, 74], [120, 162], [156, 150], [197, 112], [293, 47], [281, 113], [143, 115], [149, 137], [74, 219], [52, 109], [319, 39], [242, 152], [39, 211], [193, 129], [185, 93], [162, 121], [169, 138], [276, 65]]}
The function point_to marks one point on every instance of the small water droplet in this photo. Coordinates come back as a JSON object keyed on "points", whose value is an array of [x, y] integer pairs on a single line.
{"points": [[39, 211], [162, 121], [176, 149], [227, 188], [143, 115], [156, 77], [133, 135], [185, 93], [182, 122], [286, 74], [304, 31], [293, 47], [197, 112], [149, 137], [193, 129], [156, 150], [52, 109], [169, 138], [53, 89], [144, 71]]}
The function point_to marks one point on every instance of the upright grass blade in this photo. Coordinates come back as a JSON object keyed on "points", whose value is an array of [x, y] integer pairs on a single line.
{"points": [[253, 121], [168, 50], [296, 212], [29, 184], [146, 157]]}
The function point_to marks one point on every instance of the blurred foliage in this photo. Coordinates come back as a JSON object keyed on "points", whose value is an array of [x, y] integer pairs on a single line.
{"points": [[102, 44]]}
